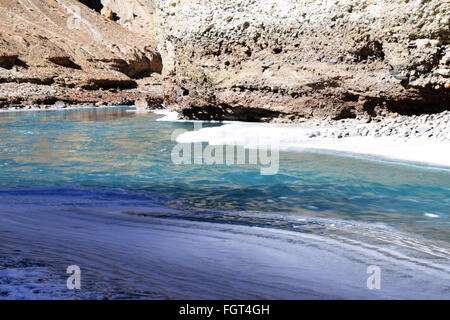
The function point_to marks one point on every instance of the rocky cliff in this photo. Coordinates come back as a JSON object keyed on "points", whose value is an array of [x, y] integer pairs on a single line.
{"points": [[231, 59], [65, 49], [292, 59]]}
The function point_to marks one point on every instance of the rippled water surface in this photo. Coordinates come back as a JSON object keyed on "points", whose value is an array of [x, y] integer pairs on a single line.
{"points": [[114, 158], [119, 149]]}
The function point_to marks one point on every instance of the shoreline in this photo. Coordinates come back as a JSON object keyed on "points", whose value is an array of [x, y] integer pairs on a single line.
{"points": [[28, 96], [413, 140], [342, 137], [64, 108]]}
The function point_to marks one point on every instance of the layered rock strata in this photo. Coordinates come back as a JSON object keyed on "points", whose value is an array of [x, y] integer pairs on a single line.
{"points": [[282, 59], [72, 48]]}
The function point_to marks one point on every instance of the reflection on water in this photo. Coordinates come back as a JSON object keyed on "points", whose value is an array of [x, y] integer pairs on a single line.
{"points": [[100, 115], [114, 148]]}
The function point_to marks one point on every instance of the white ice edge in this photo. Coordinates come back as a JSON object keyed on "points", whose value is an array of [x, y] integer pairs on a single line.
{"points": [[168, 115], [295, 138], [173, 116]]}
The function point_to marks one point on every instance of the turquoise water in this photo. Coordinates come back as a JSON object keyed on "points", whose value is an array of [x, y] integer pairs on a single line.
{"points": [[97, 188], [81, 151], [116, 148]]}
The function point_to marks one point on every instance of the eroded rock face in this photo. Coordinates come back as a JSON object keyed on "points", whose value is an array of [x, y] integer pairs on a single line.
{"points": [[67, 44], [259, 60], [136, 15]]}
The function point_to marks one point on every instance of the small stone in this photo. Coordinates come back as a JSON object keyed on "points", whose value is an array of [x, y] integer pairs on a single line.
{"points": [[434, 42], [443, 72], [60, 104], [107, 13], [401, 119], [422, 43], [423, 129]]}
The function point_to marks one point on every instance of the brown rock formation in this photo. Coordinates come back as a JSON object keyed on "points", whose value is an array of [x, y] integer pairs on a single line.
{"points": [[69, 45], [259, 60], [235, 59], [107, 13]]}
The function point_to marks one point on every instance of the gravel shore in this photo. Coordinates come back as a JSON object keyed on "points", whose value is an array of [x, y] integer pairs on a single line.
{"points": [[421, 139], [432, 126], [30, 96]]}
